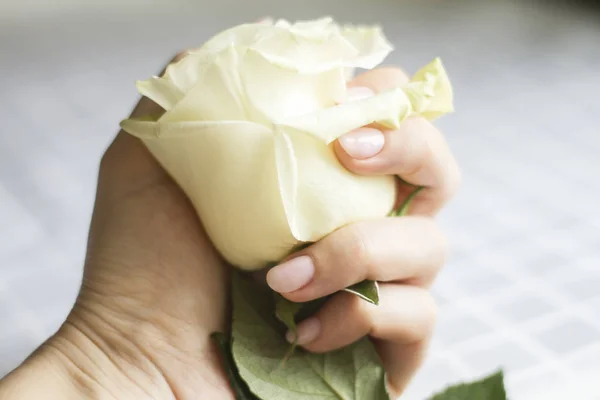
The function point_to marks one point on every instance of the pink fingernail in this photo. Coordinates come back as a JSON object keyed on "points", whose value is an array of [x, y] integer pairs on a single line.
{"points": [[308, 330], [362, 143], [291, 275], [357, 93]]}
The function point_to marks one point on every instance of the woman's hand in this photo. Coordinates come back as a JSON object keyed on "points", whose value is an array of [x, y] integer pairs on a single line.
{"points": [[403, 254], [154, 288]]}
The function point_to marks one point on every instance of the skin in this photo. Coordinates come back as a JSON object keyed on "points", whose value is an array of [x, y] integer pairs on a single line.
{"points": [[154, 287]]}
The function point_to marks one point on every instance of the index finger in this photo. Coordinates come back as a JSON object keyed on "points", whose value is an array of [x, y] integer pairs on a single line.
{"points": [[417, 152]]}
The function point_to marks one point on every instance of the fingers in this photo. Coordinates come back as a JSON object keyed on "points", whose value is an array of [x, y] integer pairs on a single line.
{"points": [[405, 315], [410, 249], [417, 152], [400, 326]]}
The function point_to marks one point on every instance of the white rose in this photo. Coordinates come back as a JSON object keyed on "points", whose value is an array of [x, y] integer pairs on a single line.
{"points": [[248, 127]]}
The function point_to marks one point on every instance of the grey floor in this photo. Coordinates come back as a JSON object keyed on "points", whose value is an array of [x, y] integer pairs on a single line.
{"points": [[522, 289]]}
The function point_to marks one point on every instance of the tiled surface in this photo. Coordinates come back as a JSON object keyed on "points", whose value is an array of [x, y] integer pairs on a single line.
{"points": [[522, 288]]}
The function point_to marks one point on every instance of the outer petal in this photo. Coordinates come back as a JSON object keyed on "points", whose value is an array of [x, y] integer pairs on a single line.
{"points": [[370, 43], [387, 108], [430, 91], [239, 36], [287, 173], [315, 28], [324, 196], [148, 128], [429, 94], [319, 45], [185, 73], [229, 173], [280, 92], [160, 90], [216, 95], [305, 54]]}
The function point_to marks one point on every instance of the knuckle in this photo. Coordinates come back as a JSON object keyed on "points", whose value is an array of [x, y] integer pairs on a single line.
{"points": [[360, 311], [453, 179], [415, 151], [426, 318], [354, 250], [434, 237], [441, 244]]}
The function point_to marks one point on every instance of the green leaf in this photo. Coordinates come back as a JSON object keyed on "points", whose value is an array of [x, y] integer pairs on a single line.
{"points": [[354, 372], [286, 310], [367, 290], [240, 389], [489, 388]]}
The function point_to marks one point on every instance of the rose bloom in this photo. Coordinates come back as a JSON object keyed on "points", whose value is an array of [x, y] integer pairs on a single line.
{"points": [[248, 125]]}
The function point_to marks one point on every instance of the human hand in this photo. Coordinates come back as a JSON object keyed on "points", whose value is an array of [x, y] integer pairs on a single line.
{"points": [[153, 291], [403, 254], [154, 288]]}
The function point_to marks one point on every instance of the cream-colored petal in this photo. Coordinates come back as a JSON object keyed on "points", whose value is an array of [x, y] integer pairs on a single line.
{"points": [[229, 173], [185, 73], [328, 196], [305, 54], [319, 45], [279, 92], [315, 28], [148, 128], [160, 90], [371, 45], [429, 94], [239, 36], [216, 95], [387, 108], [430, 91], [287, 174]]}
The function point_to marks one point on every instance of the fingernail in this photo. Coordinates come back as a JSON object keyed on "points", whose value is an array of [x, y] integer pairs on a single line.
{"points": [[362, 143], [357, 93], [307, 331], [291, 275]]}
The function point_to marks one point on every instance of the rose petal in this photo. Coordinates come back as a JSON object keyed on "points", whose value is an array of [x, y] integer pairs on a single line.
{"points": [[430, 91], [387, 108], [371, 45], [316, 46], [429, 94], [240, 36], [160, 90], [216, 95], [280, 92], [185, 73], [148, 128], [314, 206], [287, 174], [229, 173], [305, 54]]}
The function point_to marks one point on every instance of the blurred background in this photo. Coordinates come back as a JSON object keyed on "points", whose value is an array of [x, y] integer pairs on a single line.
{"points": [[522, 287]]}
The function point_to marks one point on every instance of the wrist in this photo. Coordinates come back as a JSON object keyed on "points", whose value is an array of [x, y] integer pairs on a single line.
{"points": [[43, 375], [71, 366], [92, 358], [142, 352]]}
